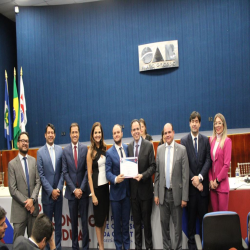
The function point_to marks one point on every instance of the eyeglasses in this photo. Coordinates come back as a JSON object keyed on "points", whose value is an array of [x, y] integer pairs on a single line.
{"points": [[24, 141]]}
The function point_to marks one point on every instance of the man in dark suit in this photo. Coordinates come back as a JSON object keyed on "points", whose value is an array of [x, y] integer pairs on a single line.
{"points": [[119, 190], [49, 164], [24, 185], [171, 186], [42, 234], [198, 150], [3, 227], [141, 186], [77, 189]]}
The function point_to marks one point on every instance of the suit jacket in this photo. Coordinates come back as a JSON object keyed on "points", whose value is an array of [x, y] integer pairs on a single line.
{"points": [[3, 246], [180, 174], [198, 165], [22, 243], [221, 164], [75, 177], [146, 167], [118, 191], [50, 178], [19, 190]]}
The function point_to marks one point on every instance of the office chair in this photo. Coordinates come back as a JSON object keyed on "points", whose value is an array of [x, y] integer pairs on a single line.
{"points": [[220, 230]]}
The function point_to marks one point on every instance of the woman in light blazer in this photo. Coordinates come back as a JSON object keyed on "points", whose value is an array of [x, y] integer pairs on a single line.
{"points": [[221, 149]]}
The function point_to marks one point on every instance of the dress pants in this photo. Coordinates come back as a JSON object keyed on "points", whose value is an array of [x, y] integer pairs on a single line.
{"points": [[121, 214], [55, 208], [141, 210], [219, 200], [168, 209], [81, 206], [197, 205], [19, 228]]}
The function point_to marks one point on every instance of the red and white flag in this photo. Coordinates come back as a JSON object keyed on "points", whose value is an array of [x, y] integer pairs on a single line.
{"points": [[23, 115]]}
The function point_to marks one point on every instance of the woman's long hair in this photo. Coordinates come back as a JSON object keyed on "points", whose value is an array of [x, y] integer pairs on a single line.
{"points": [[142, 121], [224, 132], [93, 147]]}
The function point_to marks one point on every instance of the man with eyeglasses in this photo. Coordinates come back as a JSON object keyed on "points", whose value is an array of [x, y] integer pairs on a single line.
{"points": [[24, 185], [141, 186]]}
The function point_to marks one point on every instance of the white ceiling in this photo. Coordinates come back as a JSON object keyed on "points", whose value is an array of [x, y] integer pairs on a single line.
{"points": [[7, 6]]}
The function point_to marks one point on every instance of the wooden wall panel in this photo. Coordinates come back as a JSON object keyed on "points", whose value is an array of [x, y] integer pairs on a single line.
{"points": [[240, 153]]}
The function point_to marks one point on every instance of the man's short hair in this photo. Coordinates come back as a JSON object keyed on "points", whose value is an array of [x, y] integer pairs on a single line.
{"points": [[170, 125], [135, 120], [2, 213], [51, 126], [74, 124], [42, 227], [193, 115], [118, 126], [23, 133]]}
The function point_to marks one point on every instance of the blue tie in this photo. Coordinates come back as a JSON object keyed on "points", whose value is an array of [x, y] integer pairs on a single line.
{"points": [[195, 147], [27, 175], [168, 169]]}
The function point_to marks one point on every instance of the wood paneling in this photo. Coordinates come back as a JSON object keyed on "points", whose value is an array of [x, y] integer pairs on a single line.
{"points": [[240, 153]]}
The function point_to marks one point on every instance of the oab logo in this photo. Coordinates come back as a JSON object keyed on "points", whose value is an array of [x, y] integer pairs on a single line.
{"points": [[158, 55]]}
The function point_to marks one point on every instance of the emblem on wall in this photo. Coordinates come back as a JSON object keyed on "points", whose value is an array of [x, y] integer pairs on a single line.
{"points": [[158, 55]]}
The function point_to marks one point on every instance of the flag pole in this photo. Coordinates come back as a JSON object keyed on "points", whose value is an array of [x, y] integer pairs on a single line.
{"points": [[13, 107], [6, 78]]}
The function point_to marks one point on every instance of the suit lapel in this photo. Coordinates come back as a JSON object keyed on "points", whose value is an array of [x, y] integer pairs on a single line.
{"points": [[141, 148], [71, 153], [47, 153], [191, 145], [115, 154], [20, 168], [30, 168], [175, 155], [79, 153], [200, 145]]}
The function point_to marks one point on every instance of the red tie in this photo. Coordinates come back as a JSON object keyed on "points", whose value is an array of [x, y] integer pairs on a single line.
{"points": [[75, 156]]}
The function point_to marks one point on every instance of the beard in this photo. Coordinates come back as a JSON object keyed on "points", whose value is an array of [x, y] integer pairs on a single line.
{"points": [[118, 142], [23, 151]]}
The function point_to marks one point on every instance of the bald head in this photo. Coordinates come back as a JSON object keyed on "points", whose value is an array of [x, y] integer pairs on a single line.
{"points": [[168, 133], [117, 134]]}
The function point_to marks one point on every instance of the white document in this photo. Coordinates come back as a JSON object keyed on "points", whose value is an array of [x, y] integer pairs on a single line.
{"points": [[129, 167]]}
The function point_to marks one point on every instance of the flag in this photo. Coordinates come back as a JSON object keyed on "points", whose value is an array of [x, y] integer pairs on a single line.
{"points": [[23, 115], [7, 116], [15, 113]]}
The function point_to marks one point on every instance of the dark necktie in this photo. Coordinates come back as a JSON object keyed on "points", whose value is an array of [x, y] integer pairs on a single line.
{"points": [[136, 151], [75, 155], [195, 147], [27, 175], [121, 152]]}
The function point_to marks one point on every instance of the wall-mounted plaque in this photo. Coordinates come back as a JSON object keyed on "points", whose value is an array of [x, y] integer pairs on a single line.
{"points": [[158, 55]]}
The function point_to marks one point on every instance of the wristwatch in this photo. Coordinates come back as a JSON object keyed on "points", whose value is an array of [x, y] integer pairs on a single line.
{"points": [[217, 181]]}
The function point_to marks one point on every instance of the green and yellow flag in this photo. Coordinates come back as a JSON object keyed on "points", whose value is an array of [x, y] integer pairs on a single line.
{"points": [[15, 113]]}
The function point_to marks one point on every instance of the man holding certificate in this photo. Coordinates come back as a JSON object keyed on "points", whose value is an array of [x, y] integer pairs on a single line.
{"points": [[119, 190], [141, 186]]}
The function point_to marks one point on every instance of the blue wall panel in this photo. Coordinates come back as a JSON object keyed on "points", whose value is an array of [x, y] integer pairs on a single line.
{"points": [[7, 62], [80, 64]]}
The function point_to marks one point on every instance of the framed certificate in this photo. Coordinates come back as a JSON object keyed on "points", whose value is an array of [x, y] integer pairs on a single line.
{"points": [[129, 167]]}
